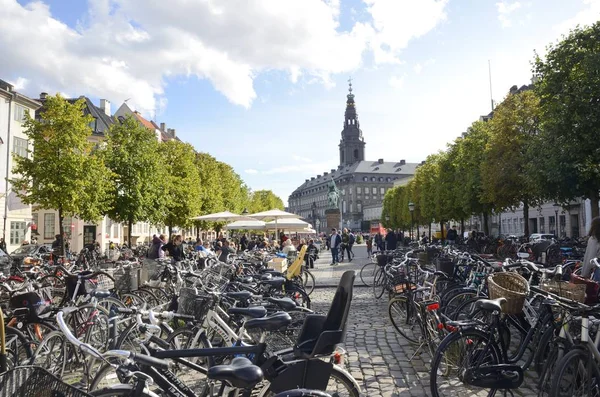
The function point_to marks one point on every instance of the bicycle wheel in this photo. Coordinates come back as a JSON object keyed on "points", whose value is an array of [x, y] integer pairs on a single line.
{"points": [[299, 296], [57, 288], [379, 283], [456, 301], [575, 376], [340, 384], [148, 296], [367, 274], [107, 376], [18, 347], [124, 391], [51, 354], [457, 352], [403, 317], [308, 280]]}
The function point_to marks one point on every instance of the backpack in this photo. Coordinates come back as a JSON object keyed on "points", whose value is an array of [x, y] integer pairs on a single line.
{"points": [[352, 239]]}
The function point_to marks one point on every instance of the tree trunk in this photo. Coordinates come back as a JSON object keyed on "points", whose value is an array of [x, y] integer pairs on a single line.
{"points": [[526, 219], [129, 227], [418, 232], [170, 231], [499, 224], [430, 232], [486, 223], [442, 229], [197, 230], [60, 231], [462, 228], [594, 204]]}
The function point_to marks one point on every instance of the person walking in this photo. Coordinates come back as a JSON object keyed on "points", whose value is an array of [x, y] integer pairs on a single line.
{"points": [[369, 241], [155, 251], [175, 249], [379, 242], [592, 251], [2, 244], [335, 242], [451, 236], [390, 240], [344, 247], [351, 241]]}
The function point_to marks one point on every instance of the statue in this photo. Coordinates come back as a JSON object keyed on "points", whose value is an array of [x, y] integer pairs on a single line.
{"points": [[333, 196]]}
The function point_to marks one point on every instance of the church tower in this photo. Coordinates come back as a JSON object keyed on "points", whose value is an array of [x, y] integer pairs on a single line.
{"points": [[352, 144]]}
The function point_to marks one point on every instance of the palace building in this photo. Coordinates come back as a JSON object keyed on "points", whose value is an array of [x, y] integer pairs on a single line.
{"points": [[362, 183]]}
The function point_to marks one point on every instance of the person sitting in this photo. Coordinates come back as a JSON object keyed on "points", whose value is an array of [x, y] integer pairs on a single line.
{"points": [[175, 249], [199, 246], [224, 251]]}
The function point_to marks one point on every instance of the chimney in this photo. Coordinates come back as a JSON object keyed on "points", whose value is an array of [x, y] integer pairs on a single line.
{"points": [[332, 170], [380, 161], [306, 180], [163, 127], [402, 162], [43, 95], [325, 173], [105, 105], [312, 178], [173, 132], [318, 176], [423, 162]]}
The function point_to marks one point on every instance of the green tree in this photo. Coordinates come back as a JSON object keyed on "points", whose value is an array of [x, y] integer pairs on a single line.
{"points": [[181, 184], [132, 155], [235, 192], [567, 84], [64, 172], [210, 188], [264, 200], [508, 176]]}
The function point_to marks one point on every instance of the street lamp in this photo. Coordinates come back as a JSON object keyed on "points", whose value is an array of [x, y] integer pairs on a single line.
{"points": [[411, 208], [556, 207]]}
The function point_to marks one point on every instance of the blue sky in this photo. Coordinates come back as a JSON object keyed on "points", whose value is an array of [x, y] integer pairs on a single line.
{"points": [[262, 85]]}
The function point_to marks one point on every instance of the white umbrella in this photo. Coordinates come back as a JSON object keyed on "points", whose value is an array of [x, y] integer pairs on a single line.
{"points": [[247, 225], [276, 215], [224, 216], [288, 224]]}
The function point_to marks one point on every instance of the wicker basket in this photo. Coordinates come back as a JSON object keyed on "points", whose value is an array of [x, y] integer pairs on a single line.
{"points": [[193, 304], [566, 290], [511, 286]]}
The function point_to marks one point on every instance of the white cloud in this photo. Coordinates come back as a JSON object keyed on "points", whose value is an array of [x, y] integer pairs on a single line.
{"points": [[506, 8], [587, 16], [20, 84], [126, 48], [418, 68], [397, 81], [397, 22], [251, 171], [300, 158]]}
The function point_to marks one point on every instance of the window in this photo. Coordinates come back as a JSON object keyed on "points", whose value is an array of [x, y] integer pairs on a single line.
{"points": [[355, 154], [372, 179], [35, 219], [67, 221], [20, 147], [359, 206], [116, 230], [552, 225], [358, 190], [49, 222], [365, 179], [374, 190], [17, 232], [382, 190], [388, 179], [93, 124], [20, 112], [542, 225], [380, 179], [562, 221]]}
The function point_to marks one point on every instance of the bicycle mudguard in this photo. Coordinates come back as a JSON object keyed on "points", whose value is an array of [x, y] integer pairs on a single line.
{"points": [[308, 374], [502, 376]]}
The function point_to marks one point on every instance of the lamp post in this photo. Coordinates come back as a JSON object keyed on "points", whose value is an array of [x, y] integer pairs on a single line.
{"points": [[411, 208], [556, 231]]}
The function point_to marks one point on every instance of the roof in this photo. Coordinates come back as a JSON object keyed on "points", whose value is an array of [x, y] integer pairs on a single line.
{"points": [[395, 170], [103, 121], [145, 123], [165, 135]]}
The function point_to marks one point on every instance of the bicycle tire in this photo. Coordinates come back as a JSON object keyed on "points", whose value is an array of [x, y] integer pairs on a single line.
{"points": [[576, 356], [17, 346], [368, 274], [379, 283], [337, 374], [456, 301], [471, 335], [308, 281], [54, 343], [57, 286], [402, 306]]}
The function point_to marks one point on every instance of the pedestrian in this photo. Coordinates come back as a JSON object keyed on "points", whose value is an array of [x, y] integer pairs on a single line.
{"points": [[244, 242], [592, 251], [379, 242], [390, 240], [312, 254], [451, 236], [199, 246], [328, 242], [345, 244], [424, 239], [2, 244], [155, 251], [57, 245], [335, 243], [369, 241], [175, 249], [351, 241]]}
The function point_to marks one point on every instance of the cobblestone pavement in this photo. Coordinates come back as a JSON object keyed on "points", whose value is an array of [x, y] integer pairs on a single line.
{"points": [[377, 356]]}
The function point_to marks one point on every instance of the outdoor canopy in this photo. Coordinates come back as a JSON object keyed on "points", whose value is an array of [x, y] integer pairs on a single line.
{"points": [[246, 224], [274, 214], [295, 225], [224, 216]]}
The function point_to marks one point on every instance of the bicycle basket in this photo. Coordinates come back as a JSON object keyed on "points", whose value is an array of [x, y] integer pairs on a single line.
{"points": [[191, 303], [36, 302], [35, 382], [101, 282], [566, 290], [511, 286], [126, 279]]}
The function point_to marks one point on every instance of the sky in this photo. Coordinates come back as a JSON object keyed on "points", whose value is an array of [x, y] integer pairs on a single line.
{"points": [[262, 84]]}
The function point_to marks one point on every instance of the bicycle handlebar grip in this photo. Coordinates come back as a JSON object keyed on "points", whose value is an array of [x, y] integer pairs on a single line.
{"points": [[184, 317], [149, 360], [125, 310]]}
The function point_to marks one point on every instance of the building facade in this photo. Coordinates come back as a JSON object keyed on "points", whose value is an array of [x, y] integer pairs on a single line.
{"points": [[362, 183], [17, 220]]}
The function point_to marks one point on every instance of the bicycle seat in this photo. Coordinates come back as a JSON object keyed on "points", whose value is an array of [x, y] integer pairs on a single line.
{"points": [[241, 373], [284, 303], [246, 279], [254, 312], [275, 282], [100, 293], [271, 323], [491, 305], [239, 296]]}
